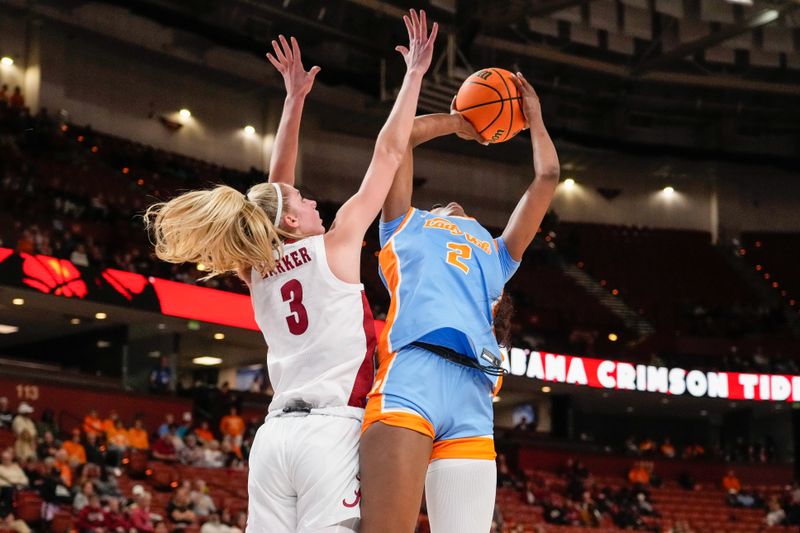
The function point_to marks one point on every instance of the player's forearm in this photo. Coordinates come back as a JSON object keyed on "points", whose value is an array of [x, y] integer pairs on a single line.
{"points": [[545, 158], [287, 139], [427, 127], [394, 136]]}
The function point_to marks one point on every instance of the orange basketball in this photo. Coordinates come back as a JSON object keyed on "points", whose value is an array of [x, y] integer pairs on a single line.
{"points": [[489, 100]]}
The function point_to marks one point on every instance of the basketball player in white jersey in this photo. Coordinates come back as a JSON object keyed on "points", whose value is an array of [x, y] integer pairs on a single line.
{"points": [[308, 302]]}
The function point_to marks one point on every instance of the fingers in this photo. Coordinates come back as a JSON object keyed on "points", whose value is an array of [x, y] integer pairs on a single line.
{"points": [[296, 49], [313, 72], [275, 62], [415, 23], [434, 33], [423, 25], [409, 27], [278, 52], [402, 49], [287, 50]]}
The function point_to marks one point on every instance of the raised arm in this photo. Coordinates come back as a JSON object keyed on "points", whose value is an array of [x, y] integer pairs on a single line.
{"points": [[356, 215], [288, 61], [426, 128], [528, 215]]}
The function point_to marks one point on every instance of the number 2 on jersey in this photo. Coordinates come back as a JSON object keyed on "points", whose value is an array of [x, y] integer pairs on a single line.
{"points": [[457, 253], [292, 292]]}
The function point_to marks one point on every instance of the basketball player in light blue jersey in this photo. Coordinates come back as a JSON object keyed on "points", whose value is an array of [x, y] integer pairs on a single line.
{"points": [[429, 419]]}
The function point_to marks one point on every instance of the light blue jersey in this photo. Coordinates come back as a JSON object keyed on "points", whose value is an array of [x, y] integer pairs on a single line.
{"points": [[445, 275]]}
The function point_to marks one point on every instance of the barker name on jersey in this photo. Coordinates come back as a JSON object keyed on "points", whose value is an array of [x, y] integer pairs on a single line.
{"points": [[290, 261]]}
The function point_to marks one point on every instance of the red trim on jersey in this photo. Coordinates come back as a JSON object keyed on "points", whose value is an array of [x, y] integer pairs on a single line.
{"points": [[366, 373]]}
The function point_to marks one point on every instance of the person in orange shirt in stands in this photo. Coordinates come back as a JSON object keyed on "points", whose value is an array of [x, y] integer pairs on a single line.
{"points": [[93, 424], [639, 475], [74, 448], [203, 432], [137, 436], [731, 483], [232, 428], [647, 446], [61, 463], [110, 423]]}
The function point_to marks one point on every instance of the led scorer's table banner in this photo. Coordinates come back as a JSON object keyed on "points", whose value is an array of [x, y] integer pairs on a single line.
{"points": [[617, 375], [60, 277]]}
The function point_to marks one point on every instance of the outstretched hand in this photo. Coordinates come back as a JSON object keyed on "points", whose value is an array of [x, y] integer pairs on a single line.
{"points": [[531, 106], [288, 61], [419, 53]]}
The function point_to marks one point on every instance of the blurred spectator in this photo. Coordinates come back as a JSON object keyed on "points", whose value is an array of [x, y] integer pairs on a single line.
{"points": [[4, 95], [74, 447], [117, 443], [10, 522], [62, 465], [12, 478], [6, 416], [775, 513], [92, 424], [186, 425], [91, 518], [164, 449], [203, 432], [115, 519], [639, 475], [731, 483], [48, 445], [140, 516], [25, 432], [213, 457], [232, 428], [17, 100], [110, 423], [192, 453], [179, 508], [202, 504], [82, 497], [647, 446], [214, 525], [161, 376], [93, 450], [79, 257], [47, 423], [169, 421], [137, 436]]}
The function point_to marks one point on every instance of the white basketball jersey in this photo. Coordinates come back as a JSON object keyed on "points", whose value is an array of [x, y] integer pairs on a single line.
{"points": [[319, 330]]}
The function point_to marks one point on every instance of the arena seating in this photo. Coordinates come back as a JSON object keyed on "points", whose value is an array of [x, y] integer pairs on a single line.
{"points": [[667, 276], [775, 257]]}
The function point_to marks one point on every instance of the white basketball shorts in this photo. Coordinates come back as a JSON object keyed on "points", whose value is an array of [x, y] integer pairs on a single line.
{"points": [[304, 471]]}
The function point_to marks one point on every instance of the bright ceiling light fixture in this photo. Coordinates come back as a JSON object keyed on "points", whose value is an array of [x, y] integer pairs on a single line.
{"points": [[207, 360]]}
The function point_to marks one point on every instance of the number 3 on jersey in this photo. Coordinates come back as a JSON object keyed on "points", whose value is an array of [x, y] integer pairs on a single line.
{"points": [[292, 292], [457, 253]]}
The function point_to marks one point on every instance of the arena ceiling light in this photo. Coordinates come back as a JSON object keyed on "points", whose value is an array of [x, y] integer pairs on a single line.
{"points": [[569, 183], [613, 337], [100, 316], [207, 360], [185, 114], [18, 301], [6, 329], [219, 336], [75, 321], [249, 130], [669, 191], [6, 61], [546, 389]]}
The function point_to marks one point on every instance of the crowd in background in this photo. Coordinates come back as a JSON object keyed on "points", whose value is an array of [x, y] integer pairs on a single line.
{"points": [[78, 469]]}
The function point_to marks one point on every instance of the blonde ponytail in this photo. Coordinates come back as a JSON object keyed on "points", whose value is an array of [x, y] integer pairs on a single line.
{"points": [[220, 228]]}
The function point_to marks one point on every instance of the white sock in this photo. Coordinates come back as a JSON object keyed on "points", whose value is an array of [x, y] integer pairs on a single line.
{"points": [[460, 495]]}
